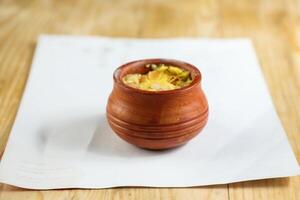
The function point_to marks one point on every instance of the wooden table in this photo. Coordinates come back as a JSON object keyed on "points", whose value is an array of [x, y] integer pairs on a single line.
{"points": [[274, 27]]}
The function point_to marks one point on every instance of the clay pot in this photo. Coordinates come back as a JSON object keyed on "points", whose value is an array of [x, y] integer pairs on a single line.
{"points": [[156, 119]]}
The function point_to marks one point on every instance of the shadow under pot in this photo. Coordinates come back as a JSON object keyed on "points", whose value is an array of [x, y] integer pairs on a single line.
{"points": [[156, 119]]}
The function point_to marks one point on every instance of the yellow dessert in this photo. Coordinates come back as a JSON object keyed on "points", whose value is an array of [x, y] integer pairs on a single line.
{"points": [[160, 77]]}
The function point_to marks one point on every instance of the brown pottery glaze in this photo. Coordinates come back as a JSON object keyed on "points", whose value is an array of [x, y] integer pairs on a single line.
{"points": [[156, 119]]}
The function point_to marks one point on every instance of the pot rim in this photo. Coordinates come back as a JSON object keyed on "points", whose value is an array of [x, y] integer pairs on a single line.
{"points": [[142, 62]]}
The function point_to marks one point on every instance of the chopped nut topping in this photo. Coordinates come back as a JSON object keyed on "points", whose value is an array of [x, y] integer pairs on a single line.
{"points": [[160, 77]]}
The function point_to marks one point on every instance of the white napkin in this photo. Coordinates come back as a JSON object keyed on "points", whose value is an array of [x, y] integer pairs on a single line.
{"points": [[61, 139]]}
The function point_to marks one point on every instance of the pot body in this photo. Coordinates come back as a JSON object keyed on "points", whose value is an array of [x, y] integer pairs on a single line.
{"points": [[157, 120]]}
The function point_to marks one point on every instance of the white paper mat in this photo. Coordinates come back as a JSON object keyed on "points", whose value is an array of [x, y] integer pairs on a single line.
{"points": [[60, 138]]}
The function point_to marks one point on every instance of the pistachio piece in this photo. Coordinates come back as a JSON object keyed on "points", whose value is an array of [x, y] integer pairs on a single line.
{"points": [[175, 70]]}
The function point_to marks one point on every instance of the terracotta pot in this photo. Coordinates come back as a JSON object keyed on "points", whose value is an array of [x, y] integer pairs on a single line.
{"points": [[156, 119]]}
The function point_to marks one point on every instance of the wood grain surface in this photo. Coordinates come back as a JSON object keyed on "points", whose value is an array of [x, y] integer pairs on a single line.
{"points": [[273, 25]]}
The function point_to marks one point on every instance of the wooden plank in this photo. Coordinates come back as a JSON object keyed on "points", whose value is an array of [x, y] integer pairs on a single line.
{"points": [[274, 27], [214, 192]]}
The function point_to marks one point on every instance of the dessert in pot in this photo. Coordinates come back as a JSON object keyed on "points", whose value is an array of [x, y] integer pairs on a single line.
{"points": [[160, 77], [157, 103]]}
